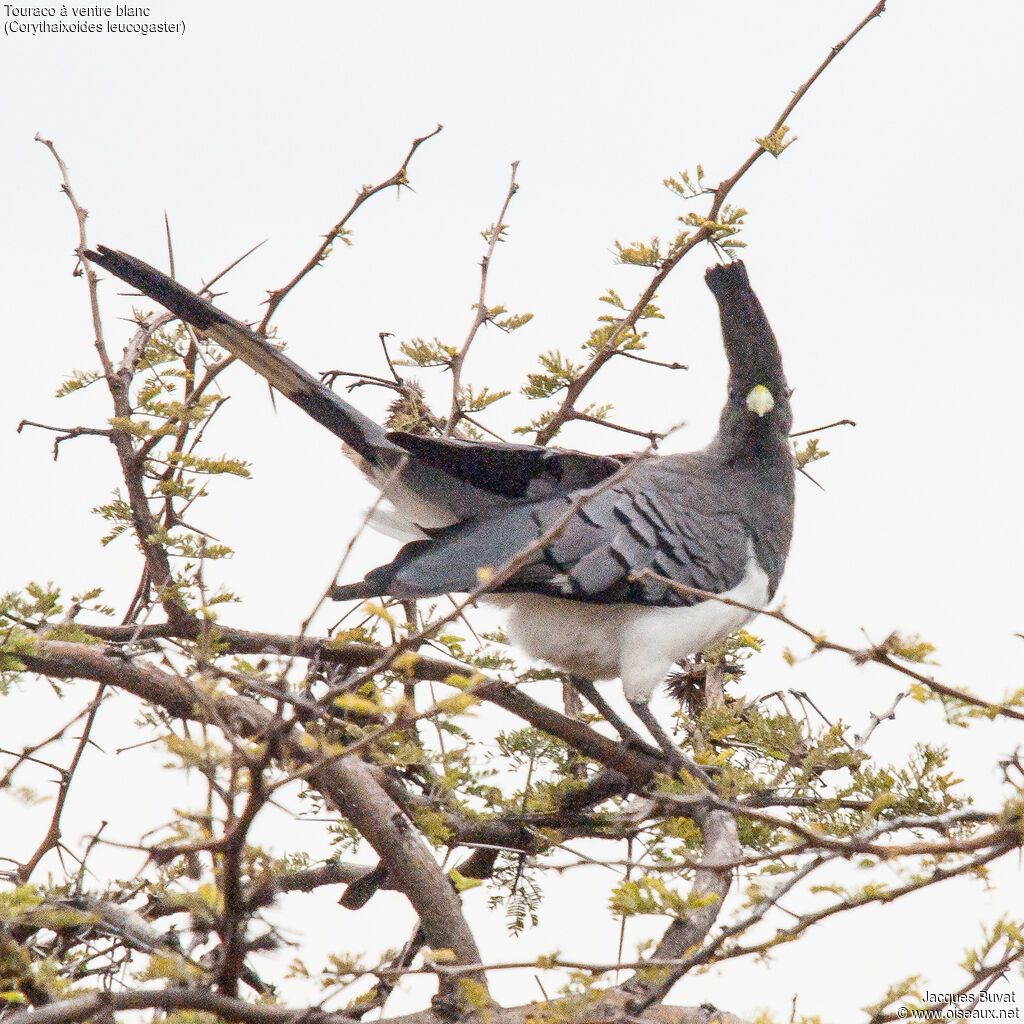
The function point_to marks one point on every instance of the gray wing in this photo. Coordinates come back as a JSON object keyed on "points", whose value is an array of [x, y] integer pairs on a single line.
{"points": [[592, 548]]}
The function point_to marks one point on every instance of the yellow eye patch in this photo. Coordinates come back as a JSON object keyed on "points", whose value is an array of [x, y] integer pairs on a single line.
{"points": [[760, 400]]}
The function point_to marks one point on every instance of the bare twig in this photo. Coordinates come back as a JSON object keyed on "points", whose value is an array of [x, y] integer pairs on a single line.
{"points": [[66, 433], [53, 834], [83, 266], [860, 740], [26, 753], [398, 180], [652, 436], [828, 426], [481, 315], [880, 654], [651, 362]]}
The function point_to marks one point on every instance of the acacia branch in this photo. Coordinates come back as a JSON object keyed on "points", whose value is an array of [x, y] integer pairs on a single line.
{"points": [[481, 314], [706, 231], [346, 781], [263, 892], [652, 436], [726, 186], [864, 899], [827, 426], [711, 882], [100, 1005], [158, 567], [639, 769], [27, 752], [397, 180], [53, 834], [880, 654], [83, 267], [861, 843], [66, 433]]}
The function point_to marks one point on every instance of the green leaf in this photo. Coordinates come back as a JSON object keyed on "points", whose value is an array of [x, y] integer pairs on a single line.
{"points": [[775, 142], [640, 254], [79, 379]]}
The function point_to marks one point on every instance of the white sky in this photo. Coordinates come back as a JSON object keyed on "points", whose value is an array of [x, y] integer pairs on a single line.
{"points": [[883, 244]]}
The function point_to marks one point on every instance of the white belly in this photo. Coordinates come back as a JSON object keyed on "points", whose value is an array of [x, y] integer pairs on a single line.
{"points": [[636, 643]]}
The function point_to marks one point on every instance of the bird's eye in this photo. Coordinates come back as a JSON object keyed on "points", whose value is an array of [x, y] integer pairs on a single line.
{"points": [[760, 400]]}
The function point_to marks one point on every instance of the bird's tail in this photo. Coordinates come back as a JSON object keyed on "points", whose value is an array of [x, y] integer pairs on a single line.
{"points": [[306, 391]]}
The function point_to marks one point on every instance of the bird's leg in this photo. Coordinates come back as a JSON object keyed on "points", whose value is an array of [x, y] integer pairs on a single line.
{"points": [[675, 756], [628, 734], [643, 712]]}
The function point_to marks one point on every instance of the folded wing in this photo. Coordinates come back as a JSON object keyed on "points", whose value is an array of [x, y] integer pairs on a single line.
{"points": [[586, 545]]}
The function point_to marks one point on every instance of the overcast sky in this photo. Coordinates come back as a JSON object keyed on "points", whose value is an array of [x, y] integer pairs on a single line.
{"points": [[884, 245]]}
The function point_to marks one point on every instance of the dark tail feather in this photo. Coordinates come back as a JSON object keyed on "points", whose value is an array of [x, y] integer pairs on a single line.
{"points": [[353, 591], [381, 581], [306, 391]]}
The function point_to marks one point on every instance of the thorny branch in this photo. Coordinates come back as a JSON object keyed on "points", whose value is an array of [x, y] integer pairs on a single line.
{"points": [[66, 433], [152, 684], [27, 753], [53, 834], [567, 410], [481, 315], [397, 180], [158, 568], [880, 654]]}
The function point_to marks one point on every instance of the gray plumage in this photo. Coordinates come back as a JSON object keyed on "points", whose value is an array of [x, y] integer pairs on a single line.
{"points": [[717, 520]]}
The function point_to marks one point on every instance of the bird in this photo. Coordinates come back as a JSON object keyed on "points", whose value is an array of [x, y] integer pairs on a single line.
{"points": [[606, 552]]}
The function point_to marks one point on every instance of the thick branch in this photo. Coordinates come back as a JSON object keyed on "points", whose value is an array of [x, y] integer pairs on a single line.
{"points": [[101, 1004], [346, 781], [411, 866], [637, 768]]}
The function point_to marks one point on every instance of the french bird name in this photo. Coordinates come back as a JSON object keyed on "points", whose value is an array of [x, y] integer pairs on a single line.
{"points": [[117, 11]]}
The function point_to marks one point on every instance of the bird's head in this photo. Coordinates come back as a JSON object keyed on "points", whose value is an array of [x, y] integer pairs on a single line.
{"points": [[758, 400]]}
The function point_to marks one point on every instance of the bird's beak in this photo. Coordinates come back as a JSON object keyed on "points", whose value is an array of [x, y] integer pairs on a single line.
{"points": [[760, 400]]}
